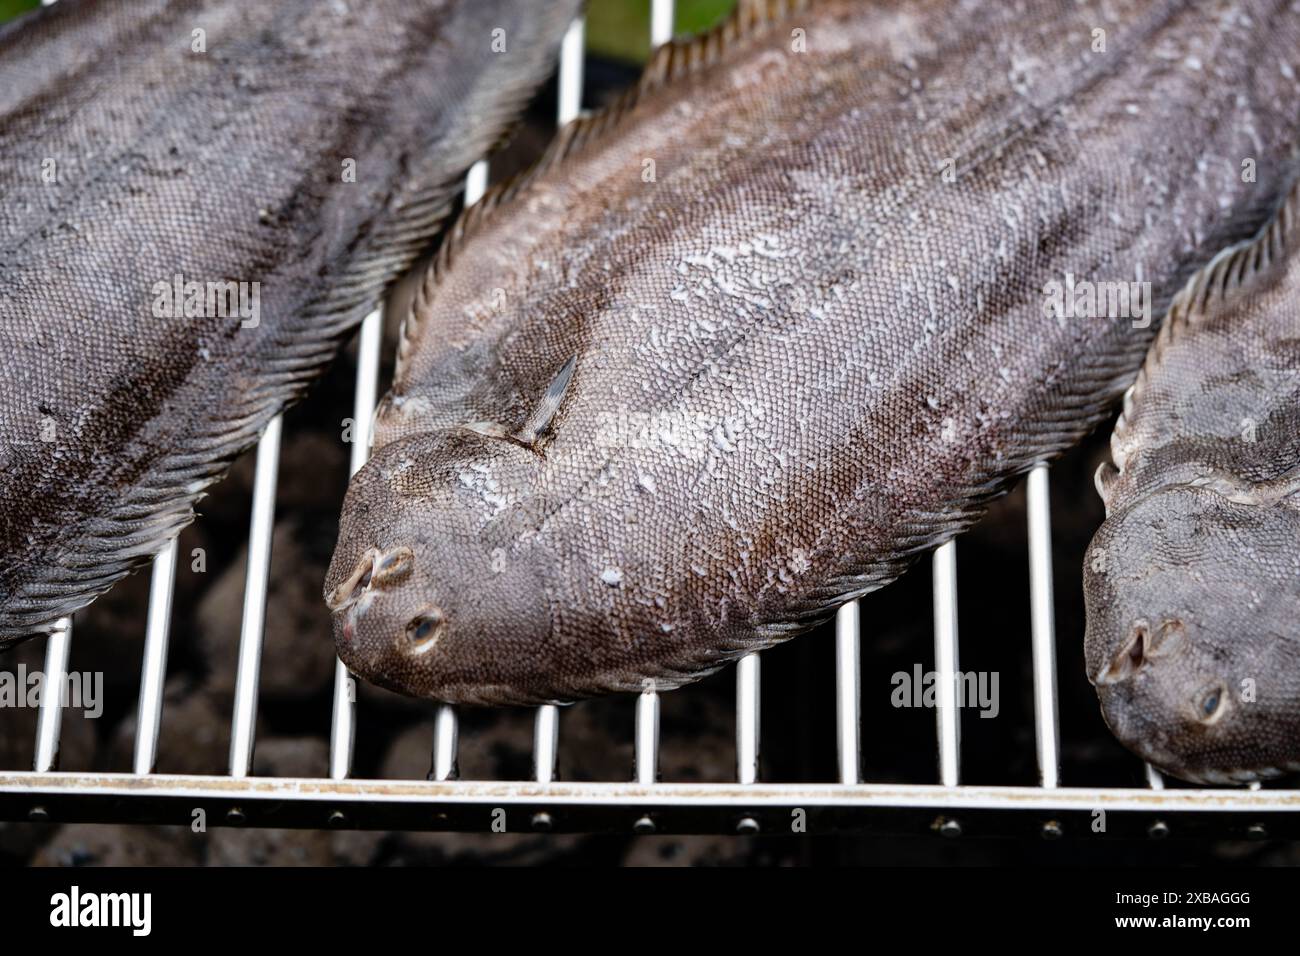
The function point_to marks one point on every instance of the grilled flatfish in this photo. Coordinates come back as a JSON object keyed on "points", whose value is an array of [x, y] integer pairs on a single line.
{"points": [[1193, 582], [787, 316], [198, 200]]}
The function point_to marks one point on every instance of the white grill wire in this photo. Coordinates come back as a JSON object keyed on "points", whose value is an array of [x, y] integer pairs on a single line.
{"points": [[249, 667], [369, 342], [945, 663], [1043, 626], [154, 669], [748, 707], [848, 693], [546, 735], [57, 646]]}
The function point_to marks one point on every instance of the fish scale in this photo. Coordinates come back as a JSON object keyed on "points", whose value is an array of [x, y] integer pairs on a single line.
{"points": [[219, 164], [891, 368]]}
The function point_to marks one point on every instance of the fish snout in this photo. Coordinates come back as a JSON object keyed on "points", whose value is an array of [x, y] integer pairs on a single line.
{"points": [[1139, 721], [1181, 717], [434, 593], [379, 622]]}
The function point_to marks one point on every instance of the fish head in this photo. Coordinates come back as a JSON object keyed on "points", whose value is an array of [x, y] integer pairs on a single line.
{"points": [[1193, 633], [423, 603]]}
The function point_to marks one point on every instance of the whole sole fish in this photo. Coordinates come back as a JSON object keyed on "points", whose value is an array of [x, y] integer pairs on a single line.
{"points": [[1192, 584], [745, 345], [198, 200]]}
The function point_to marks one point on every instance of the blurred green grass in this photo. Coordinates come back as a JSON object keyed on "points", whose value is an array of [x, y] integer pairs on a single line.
{"points": [[621, 28], [615, 28], [11, 8]]}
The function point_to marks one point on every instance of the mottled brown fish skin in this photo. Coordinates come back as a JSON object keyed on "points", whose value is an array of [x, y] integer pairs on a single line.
{"points": [[804, 355], [1192, 583], [131, 157]]}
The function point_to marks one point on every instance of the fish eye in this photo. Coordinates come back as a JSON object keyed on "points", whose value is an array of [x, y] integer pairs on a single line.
{"points": [[1211, 703], [424, 630]]}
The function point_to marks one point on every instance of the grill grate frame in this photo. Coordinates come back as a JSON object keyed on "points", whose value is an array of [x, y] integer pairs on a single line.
{"points": [[643, 805]]}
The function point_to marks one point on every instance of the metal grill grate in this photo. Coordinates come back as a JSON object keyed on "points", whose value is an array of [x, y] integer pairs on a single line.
{"points": [[644, 804]]}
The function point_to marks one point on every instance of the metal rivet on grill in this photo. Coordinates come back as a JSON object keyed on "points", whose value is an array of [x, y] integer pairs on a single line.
{"points": [[38, 814], [947, 827], [747, 825], [1257, 831], [1158, 830], [338, 818], [542, 822], [644, 825], [1052, 830], [235, 816]]}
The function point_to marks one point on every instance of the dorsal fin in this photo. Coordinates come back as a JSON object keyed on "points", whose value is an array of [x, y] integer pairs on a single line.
{"points": [[1230, 274], [539, 422], [670, 63], [1232, 271]]}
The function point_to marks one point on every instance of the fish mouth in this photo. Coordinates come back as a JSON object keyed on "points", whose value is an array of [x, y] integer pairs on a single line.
{"points": [[1217, 776], [356, 585], [374, 571], [351, 599], [1139, 741]]}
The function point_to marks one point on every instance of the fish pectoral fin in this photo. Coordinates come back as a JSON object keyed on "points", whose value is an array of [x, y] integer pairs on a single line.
{"points": [[487, 429], [497, 431], [540, 421]]}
